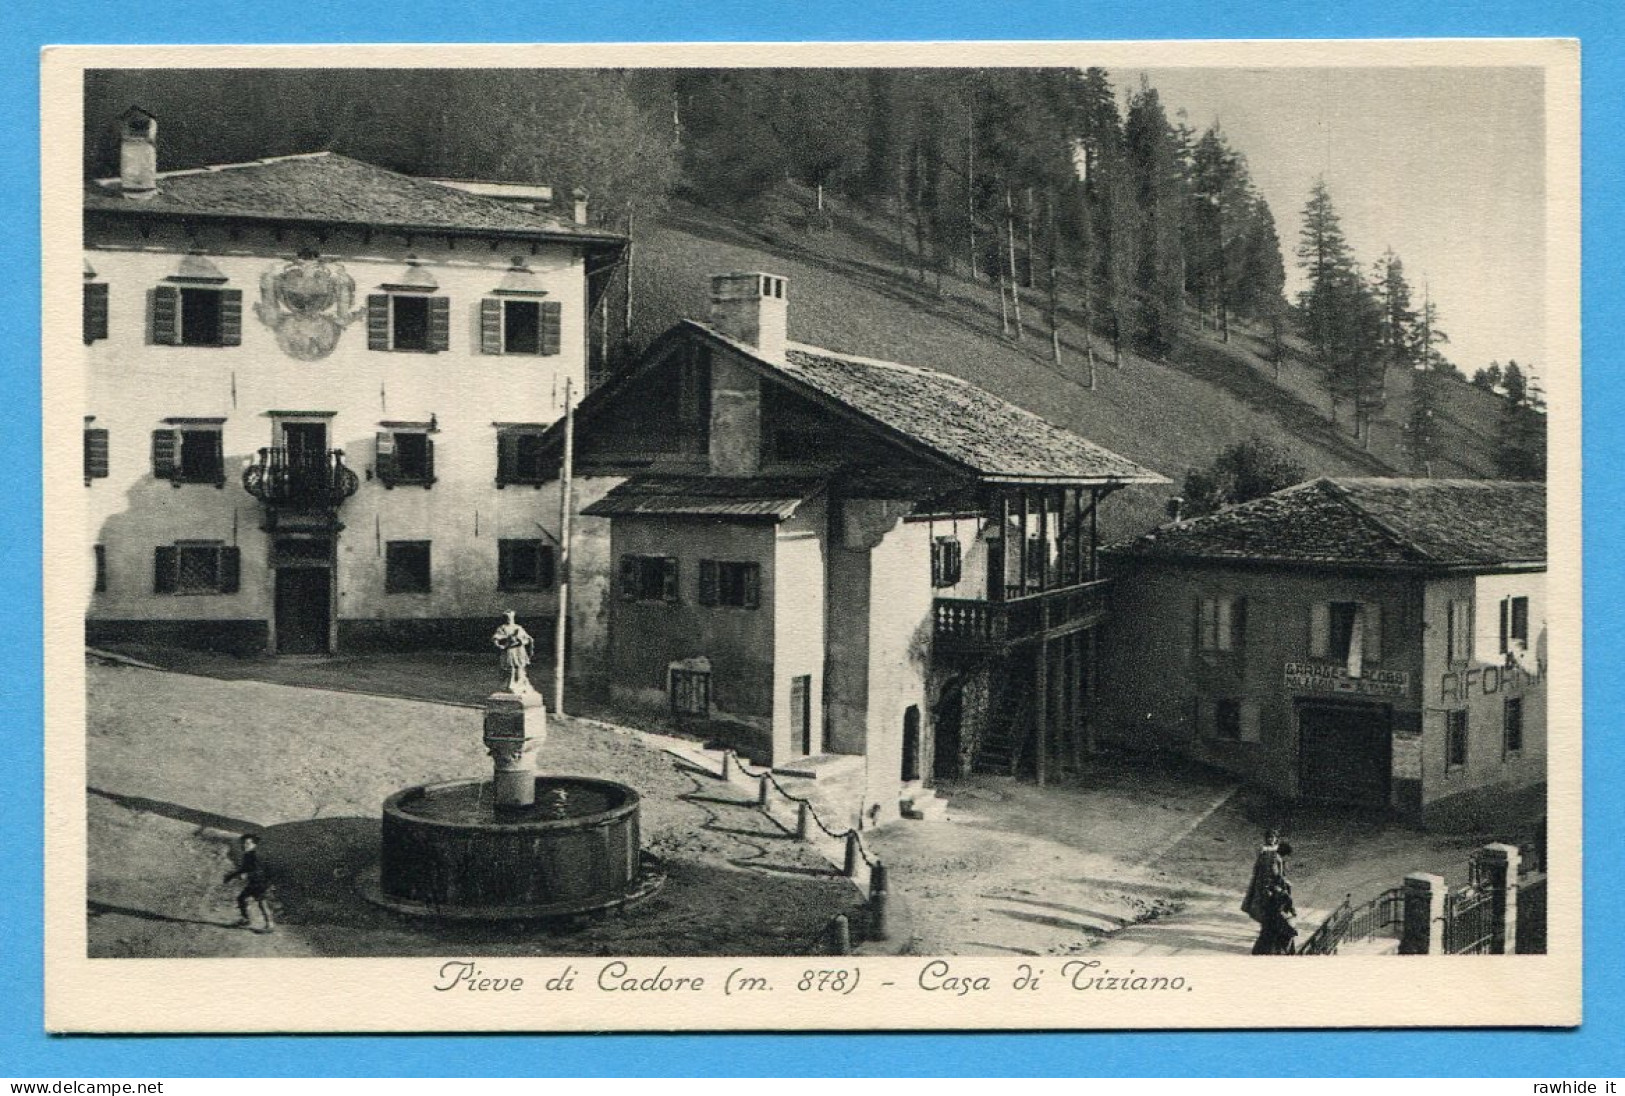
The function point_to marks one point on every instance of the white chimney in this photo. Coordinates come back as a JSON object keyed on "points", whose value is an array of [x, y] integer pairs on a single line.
{"points": [[580, 198], [751, 307], [138, 154]]}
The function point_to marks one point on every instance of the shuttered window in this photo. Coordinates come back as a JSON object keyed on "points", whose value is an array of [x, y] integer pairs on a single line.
{"points": [[519, 457], [404, 458], [1459, 630], [730, 584], [649, 578], [95, 454], [520, 327], [194, 316], [95, 311], [524, 565], [1455, 739], [1512, 727], [189, 456], [1221, 623], [947, 562], [1514, 624], [1346, 631], [196, 567], [408, 322]]}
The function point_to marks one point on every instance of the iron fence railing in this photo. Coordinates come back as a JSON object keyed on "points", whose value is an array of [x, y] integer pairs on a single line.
{"points": [[1382, 916]]}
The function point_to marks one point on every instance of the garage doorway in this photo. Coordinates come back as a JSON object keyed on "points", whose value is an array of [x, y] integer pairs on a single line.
{"points": [[1345, 753]]}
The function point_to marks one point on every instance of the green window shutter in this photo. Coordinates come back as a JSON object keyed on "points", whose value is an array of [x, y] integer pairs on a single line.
{"points": [[552, 319], [439, 324], [166, 453], [491, 326], [504, 564], [231, 317], [95, 311], [383, 458], [1320, 629], [166, 313], [1506, 622], [95, 454], [428, 461], [378, 321], [629, 577], [231, 569], [166, 565], [668, 576], [753, 586], [709, 582], [507, 457]]}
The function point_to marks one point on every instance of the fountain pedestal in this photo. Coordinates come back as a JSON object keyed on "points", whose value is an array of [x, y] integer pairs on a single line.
{"points": [[515, 727]]}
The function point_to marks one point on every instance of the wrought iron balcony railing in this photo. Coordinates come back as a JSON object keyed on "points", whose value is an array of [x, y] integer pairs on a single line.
{"points": [[974, 623], [307, 479]]}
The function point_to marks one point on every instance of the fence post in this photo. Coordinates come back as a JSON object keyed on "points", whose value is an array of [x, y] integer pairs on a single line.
{"points": [[761, 791], [840, 935], [803, 820], [851, 867], [877, 901], [1424, 912], [1496, 867]]}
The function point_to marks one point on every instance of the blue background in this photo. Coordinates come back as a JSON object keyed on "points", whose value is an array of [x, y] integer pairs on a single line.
{"points": [[1594, 1050]]}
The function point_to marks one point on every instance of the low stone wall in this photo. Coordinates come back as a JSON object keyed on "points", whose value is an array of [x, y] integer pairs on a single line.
{"points": [[234, 637]]}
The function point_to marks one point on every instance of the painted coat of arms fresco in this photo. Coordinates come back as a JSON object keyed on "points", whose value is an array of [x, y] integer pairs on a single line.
{"points": [[308, 302]]}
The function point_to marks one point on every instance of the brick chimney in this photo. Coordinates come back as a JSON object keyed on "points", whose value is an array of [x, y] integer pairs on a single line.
{"points": [[138, 154], [579, 197], [750, 306]]}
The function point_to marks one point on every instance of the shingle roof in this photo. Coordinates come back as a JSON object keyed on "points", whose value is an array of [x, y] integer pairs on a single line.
{"points": [[771, 498], [1382, 522], [325, 187]]}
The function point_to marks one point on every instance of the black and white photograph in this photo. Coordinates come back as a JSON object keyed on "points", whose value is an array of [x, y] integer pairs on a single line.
{"points": [[747, 541]]}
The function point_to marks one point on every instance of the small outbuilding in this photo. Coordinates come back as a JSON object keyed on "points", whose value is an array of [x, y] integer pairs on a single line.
{"points": [[1374, 642]]}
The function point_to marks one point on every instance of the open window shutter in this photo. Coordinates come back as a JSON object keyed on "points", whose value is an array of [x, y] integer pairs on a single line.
{"points": [[378, 321], [507, 457], [753, 587], [217, 456], [1223, 622], [708, 582], [1373, 631], [491, 326], [95, 311], [428, 461], [1320, 629], [439, 323], [166, 565], [231, 317], [1238, 624], [544, 566], [552, 314], [95, 454], [629, 577], [1520, 621], [1249, 721], [166, 308], [1506, 621], [504, 564], [668, 586], [166, 453], [231, 569], [383, 458]]}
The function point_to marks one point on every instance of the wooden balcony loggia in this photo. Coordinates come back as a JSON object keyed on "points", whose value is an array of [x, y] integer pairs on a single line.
{"points": [[973, 625]]}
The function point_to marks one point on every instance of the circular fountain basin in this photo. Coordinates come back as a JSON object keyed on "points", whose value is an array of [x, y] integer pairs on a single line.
{"points": [[449, 851]]}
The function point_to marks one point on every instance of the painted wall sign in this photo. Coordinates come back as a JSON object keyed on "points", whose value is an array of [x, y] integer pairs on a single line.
{"points": [[1320, 677], [1488, 680]]}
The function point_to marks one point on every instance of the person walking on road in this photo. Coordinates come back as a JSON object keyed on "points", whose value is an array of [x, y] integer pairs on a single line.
{"points": [[1269, 867], [251, 870]]}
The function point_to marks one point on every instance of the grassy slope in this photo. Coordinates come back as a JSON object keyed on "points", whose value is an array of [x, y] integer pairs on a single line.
{"points": [[850, 290]]}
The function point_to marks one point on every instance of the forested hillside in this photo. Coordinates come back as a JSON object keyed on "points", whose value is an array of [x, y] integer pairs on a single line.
{"points": [[1044, 233]]}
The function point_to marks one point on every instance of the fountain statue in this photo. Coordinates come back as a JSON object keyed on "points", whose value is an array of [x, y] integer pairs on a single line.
{"points": [[522, 846]]}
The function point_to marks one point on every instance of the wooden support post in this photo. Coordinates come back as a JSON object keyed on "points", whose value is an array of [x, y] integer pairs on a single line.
{"points": [[1041, 711], [1079, 568], [996, 575], [1043, 539], [1022, 552], [1094, 534]]}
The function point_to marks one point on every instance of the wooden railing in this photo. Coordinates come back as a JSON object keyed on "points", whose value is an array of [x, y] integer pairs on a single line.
{"points": [[977, 623], [303, 478]]}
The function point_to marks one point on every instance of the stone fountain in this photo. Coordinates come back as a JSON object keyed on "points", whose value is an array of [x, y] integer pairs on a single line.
{"points": [[521, 845]]}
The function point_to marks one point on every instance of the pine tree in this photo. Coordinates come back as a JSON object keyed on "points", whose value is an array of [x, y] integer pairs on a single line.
{"points": [[1155, 158], [1342, 320]]}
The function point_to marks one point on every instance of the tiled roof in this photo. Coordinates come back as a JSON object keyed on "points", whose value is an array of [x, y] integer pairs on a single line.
{"points": [[772, 498], [1382, 522], [325, 187], [955, 419]]}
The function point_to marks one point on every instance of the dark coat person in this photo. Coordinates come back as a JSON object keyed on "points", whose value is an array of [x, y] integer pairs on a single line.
{"points": [[1269, 868], [1276, 931]]}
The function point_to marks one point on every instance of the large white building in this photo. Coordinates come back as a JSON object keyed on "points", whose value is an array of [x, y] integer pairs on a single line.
{"points": [[315, 393]]}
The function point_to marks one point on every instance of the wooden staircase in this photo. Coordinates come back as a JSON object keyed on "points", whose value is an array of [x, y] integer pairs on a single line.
{"points": [[1004, 740]]}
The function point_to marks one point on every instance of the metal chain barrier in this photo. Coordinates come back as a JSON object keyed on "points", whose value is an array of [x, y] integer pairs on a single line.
{"points": [[842, 835]]}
